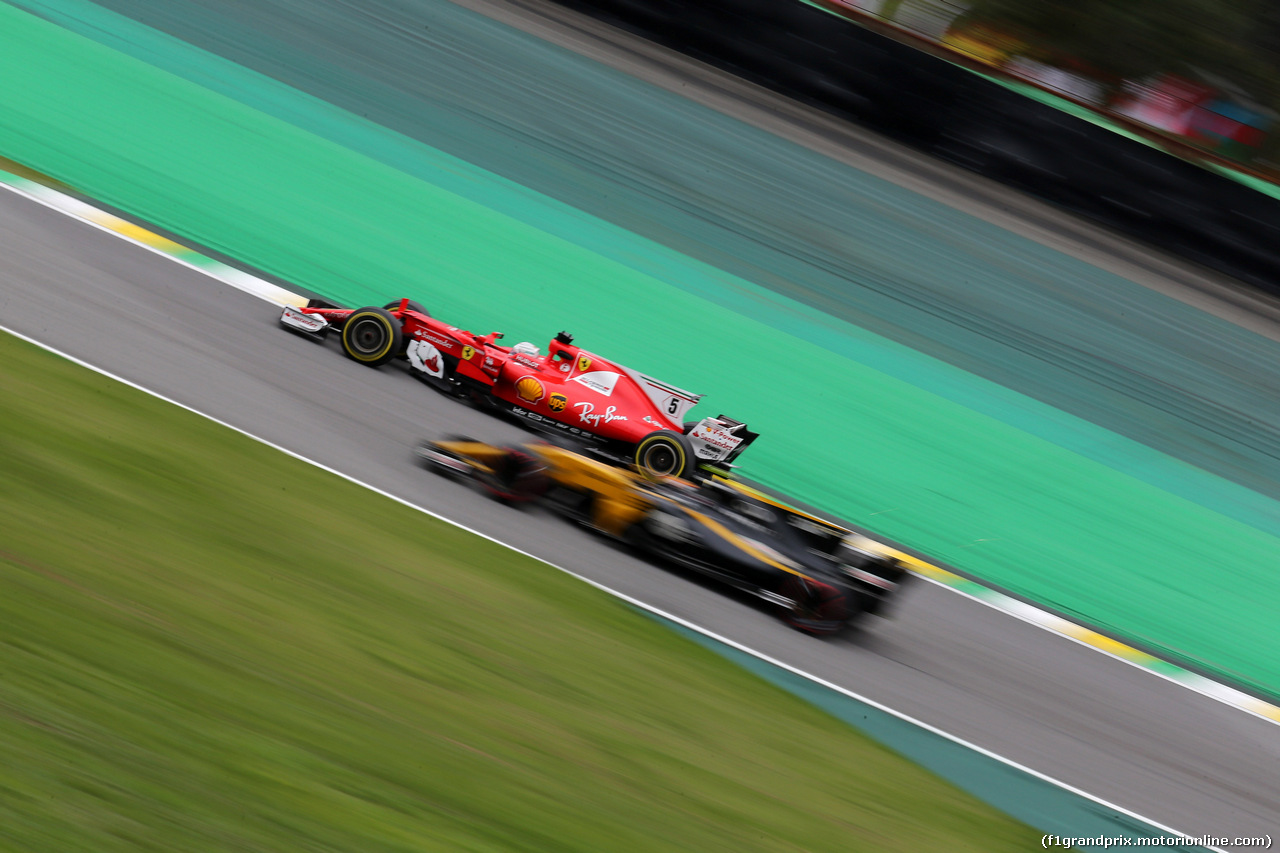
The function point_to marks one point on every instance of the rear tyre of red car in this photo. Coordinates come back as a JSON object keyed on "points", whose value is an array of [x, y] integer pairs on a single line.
{"points": [[665, 454], [372, 336], [818, 608]]}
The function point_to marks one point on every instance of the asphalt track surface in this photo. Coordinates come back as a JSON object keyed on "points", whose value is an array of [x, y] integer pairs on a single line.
{"points": [[1152, 747], [973, 492], [806, 227], [1145, 744]]}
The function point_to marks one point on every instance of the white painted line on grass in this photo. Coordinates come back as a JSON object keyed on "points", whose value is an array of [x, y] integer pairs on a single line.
{"points": [[634, 602]]}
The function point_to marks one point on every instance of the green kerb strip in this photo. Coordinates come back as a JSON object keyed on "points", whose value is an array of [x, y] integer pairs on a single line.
{"points": [[738, 295], [272, 293], [923, 453]]}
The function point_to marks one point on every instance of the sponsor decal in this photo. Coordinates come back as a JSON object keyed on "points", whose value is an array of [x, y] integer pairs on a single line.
{"points": [[600, 381], [747, 522], [722, 439], [534, 416], [671, 401], [307, 322], [488, 361], [808, 526], [712, 442], [781, 600], [557, 402], [869, 578], [564, 367], [426, 358], [443, 343], [444, 461], [526, 361], [587, 416], [530, 390], [759, 513], [650, 420], [584, 364]]}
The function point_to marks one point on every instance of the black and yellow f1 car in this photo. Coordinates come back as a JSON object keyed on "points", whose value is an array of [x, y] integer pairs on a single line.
{"points": [[820, 575]]}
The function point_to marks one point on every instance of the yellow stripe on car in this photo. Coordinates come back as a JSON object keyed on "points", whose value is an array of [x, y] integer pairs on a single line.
{"points": [[741, 542]]}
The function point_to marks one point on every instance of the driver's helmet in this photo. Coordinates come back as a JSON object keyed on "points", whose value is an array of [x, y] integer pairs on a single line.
{"points": [[525, 348]]}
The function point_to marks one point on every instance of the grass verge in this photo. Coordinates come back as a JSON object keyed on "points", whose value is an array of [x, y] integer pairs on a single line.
{"points": [[207, 645]]}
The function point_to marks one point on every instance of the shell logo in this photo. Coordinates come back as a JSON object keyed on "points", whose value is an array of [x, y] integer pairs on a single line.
{"points": [[530, 390], [557, 402], [584, 364]]}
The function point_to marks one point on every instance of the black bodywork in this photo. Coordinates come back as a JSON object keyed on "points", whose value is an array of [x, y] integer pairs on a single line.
{"points": [[819, 574], [800, 563]]}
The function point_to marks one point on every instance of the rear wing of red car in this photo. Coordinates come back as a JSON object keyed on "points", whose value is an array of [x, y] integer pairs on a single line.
{"points": [[673, 402], [721, 439]]}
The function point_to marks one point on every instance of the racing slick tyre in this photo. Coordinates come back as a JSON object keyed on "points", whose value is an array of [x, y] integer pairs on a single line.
{"points": [[517, 477], [665, 454], [372, 336], [817, 608], [410, 306]]}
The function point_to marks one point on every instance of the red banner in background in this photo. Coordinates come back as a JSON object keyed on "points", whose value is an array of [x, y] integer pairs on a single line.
{"points": [[1210, 114]]}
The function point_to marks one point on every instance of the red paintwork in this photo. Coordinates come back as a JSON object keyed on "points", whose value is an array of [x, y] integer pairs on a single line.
{"points": [[549, 385]]}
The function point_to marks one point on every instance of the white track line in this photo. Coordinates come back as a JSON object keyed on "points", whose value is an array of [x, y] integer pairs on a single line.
{"points": [[1025, 611], [125, 230], [634, 602]]}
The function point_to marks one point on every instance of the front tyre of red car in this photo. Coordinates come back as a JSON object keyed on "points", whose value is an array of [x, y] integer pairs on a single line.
{"points": [[372, 336], [816, 607], [665, 454]]}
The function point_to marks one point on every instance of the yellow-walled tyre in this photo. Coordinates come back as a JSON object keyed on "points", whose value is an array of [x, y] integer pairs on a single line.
{"points": [[666, 454], [372, 336]]}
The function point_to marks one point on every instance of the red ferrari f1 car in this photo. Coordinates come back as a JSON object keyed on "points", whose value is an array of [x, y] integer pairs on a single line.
{"points": [[616, 410]]}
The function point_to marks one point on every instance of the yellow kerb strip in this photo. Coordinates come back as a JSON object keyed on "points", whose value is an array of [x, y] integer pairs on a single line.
{"points": [[1106, 644], [1271, 712], [134, 232]]}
